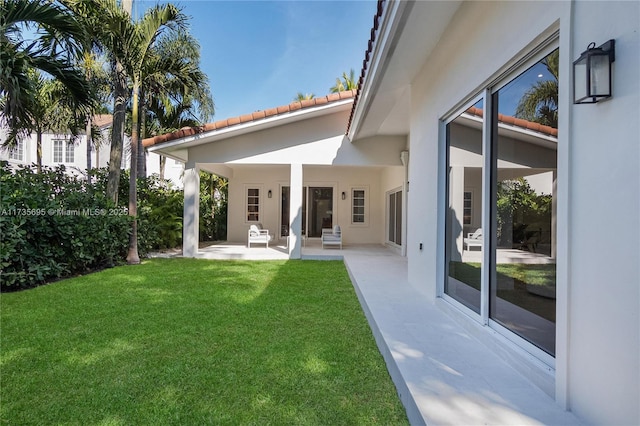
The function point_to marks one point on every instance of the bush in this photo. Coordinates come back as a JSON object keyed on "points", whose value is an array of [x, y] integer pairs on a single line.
{"points": [[55, 225], [160, 209]]}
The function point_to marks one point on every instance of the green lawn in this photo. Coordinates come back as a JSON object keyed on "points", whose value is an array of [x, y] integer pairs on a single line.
{"points": [[193, 342]]}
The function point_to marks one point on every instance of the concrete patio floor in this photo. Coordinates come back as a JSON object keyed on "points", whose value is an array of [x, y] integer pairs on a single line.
{"points": [[444, 374]]}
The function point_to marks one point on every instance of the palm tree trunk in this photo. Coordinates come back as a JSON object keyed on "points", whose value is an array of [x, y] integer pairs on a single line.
{"points": [[89, 144], [142, 155], [117, 131], [132, 256], [39, 150]]}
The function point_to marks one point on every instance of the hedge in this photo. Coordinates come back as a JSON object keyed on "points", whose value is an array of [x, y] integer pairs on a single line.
{"points": [[54, 225]]}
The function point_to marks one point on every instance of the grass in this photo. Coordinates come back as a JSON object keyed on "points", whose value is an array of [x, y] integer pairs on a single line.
{"points": [[185, 341], [513, 279]]}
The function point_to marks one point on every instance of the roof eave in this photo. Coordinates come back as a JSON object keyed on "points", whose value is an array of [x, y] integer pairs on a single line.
{"points": [[251, 126], [394, 14]]}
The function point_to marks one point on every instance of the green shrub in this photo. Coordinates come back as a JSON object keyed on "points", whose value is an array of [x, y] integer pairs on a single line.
{"points": [[160, 209], [54, 225]]}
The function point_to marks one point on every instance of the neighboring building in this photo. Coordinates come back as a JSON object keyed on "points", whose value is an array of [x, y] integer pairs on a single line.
{"points": [[62, 149], [429, 150]]}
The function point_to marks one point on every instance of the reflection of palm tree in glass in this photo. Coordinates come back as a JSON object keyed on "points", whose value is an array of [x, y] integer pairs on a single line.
{"points": [[540, 103]]}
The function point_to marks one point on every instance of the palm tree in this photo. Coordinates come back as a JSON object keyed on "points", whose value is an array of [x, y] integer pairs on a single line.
{"points": [[540, 103], [304, 96], [348, 82], [172, 78], [130, 45], [109, 27], [98, 79], [58, 44]]}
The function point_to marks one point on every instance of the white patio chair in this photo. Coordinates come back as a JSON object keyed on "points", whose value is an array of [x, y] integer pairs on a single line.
{"points": [[474, 239], [332, 237], [257, 235]]}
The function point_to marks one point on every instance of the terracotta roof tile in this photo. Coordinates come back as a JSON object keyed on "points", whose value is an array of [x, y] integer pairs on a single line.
{"points": [[517, 122], [246, 118], [367, 57]]}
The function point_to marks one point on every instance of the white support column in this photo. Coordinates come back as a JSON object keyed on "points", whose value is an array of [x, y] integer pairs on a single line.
{"points": [[295, 212], [191, 216]]}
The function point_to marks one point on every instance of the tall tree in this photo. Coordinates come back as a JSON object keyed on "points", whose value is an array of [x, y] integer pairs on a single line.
{"points": [[109, 26], [51, 109], [58, 43], [172, 78], [130, 44], [348, 82], [140, 41]]}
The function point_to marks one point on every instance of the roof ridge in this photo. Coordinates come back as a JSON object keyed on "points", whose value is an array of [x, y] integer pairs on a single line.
{"points": [[246, 118]]}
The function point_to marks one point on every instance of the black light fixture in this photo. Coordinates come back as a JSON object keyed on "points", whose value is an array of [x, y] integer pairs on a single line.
{"points": [[269, 194], [592, 73], [344, 195]]}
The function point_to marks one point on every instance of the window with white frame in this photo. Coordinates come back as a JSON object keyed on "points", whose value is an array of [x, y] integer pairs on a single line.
{"points": [[489, 147], [17, 152], [253, 204], [63, 151], [359, 206], [58, 147]]}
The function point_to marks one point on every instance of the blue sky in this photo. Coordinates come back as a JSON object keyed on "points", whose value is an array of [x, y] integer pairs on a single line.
{"points": [[260, 54]]}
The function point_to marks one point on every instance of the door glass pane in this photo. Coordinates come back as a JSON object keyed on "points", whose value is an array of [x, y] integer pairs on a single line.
{"points": [[398, 239], [321, 202], [285, 215], [392, 216], [523, 285], [464, 241]]}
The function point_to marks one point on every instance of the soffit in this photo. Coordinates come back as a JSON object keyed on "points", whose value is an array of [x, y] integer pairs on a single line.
{"points": [[386, 110]]}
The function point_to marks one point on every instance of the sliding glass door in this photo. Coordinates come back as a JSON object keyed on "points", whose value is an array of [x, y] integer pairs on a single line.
{"points": [[501, 177], [320, 200]]}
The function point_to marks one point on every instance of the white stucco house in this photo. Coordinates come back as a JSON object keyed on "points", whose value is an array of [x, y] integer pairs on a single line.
{"points": [[62, 149], [524, 225]]}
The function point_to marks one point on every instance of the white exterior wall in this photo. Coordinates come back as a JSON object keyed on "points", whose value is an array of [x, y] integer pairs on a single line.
{"points": [[79, 162], [598, 324], [604, 226], [99, 158], [274, 177]]}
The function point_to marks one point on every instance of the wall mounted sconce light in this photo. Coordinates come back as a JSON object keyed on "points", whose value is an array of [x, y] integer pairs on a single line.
{"points": [[344, 195], [592, 73], [269, 194]]}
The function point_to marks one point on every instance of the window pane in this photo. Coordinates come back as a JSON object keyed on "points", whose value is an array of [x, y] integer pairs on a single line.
{"points": [[523, 286], [464, 240], [253, 204], [398, 239], [57, 151], [70, 149]]}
